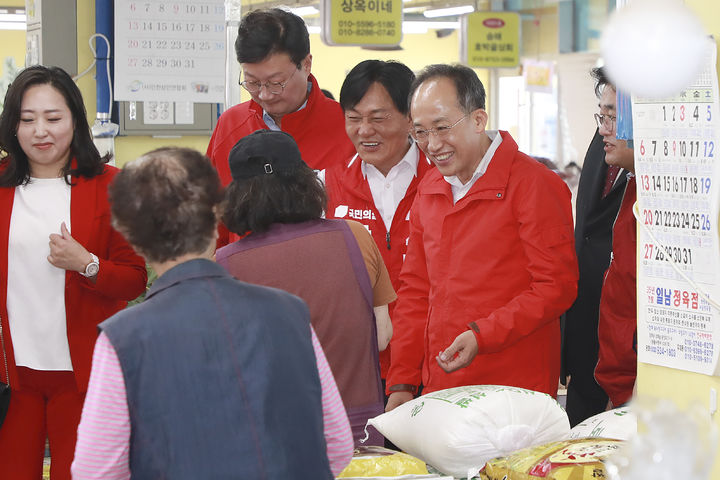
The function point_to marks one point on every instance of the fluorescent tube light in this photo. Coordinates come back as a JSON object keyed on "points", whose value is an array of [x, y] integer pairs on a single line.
{"points": [[303, 11], [12, 26], [409, 26], [446, 12], [13, 17], [412, 26], [12, 21]]}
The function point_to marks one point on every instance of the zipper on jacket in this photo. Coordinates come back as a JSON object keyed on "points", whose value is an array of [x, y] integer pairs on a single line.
{"points": [[2, 345], [387, 239]]}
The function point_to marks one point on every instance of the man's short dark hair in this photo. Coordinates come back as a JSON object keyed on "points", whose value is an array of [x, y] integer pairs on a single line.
{"points": [[601, 80], [469, 88], [266, 32], [395, 77], [254, 204], [164, 203]]}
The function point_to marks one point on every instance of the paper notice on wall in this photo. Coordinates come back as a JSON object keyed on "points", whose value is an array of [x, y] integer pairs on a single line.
{"points": [[677, 143]]}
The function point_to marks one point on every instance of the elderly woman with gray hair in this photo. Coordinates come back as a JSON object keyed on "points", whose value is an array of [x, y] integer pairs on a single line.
{"points": [[209, 377]]}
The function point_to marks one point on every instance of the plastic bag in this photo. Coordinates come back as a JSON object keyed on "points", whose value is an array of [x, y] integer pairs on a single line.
{"points": [[372, 461], [578, 459]]}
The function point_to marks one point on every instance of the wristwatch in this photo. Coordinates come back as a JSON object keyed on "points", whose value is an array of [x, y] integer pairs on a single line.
{"points": [[92, 268]]}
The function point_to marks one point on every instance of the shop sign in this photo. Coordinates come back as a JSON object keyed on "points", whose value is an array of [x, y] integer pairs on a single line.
{"points": [[362, 22], [490, 39]]}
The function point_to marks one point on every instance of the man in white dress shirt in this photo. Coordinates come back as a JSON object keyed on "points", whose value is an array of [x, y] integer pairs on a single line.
{"points": [[377, 186]]}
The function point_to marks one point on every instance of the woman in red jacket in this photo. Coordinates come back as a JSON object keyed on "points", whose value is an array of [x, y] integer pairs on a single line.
{"points": [[63, 268]]}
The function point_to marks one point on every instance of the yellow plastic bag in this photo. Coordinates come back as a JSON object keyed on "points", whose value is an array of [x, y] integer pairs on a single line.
{"points": [[373, 461], [578, 459]]}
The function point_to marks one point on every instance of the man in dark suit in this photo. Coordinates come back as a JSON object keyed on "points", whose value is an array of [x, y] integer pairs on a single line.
{"points": [[599, 195]]}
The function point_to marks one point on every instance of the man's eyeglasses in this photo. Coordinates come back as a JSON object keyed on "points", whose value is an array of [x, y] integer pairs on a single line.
{"points": [[276, 88], [375, 118], [421, 135], [608, 121]]}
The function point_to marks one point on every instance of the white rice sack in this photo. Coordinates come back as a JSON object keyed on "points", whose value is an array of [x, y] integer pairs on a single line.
{"points": [[459, 429], [620, 424]]}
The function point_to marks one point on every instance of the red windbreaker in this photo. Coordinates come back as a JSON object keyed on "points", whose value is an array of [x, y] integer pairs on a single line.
{"points": [[502, 262]]}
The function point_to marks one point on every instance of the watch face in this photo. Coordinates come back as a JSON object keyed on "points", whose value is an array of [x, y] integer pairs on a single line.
{"points": [[92, 269]]}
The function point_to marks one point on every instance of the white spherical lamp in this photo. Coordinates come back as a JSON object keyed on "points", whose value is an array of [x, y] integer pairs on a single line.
{"points": [[654, 48]]}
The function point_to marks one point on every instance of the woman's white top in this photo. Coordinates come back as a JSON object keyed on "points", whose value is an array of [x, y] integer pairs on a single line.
{"points": [[36, 288]]}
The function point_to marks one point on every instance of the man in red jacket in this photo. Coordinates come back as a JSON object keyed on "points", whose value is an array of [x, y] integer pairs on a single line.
{"points": [[273, 49], [490, 264], [377, 185]]}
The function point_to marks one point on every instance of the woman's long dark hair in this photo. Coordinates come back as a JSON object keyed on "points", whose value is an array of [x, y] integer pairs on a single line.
{"points": [[15, 165]]}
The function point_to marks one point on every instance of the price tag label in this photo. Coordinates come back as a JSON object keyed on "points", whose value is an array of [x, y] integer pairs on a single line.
{"points": [[170, 51], [676, 143]]}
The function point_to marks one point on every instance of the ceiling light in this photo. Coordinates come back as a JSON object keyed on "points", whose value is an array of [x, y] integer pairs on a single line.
{"points": [[414, 27], [446, 12], [13, 21], [304, 11], [12, 26], [12, 17], [410, 26]]}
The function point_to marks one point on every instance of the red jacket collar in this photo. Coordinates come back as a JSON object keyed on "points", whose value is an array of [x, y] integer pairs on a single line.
{"points": [[83, 200], [5, 161], [313, 96], [492, 183]]}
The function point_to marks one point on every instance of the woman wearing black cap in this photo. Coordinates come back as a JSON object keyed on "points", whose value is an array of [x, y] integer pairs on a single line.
{"points": [[276, 201]]}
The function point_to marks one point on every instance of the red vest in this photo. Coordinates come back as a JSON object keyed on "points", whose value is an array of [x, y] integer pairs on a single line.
{"points": [[349, 197]]}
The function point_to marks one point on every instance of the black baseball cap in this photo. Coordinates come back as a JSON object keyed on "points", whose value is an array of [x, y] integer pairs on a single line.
{"points": [[264, 152]]}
